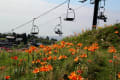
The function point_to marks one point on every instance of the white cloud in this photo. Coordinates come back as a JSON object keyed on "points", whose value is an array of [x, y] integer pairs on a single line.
{"points": [[16, 12]]}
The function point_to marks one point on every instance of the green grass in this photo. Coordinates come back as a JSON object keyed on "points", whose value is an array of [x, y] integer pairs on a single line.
{"points": [[98, 69]]}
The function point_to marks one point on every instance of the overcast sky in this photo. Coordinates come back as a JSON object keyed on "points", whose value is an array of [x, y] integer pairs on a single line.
{"points": [[16, 12]]}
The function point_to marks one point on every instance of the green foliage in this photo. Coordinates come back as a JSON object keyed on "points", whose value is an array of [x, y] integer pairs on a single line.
{"points": [[99, 67], [105, 37]]}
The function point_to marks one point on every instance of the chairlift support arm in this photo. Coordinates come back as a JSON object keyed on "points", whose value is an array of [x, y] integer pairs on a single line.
{"points": [[96, 6]]}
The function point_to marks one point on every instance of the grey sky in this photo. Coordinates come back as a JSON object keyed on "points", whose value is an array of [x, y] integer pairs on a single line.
{"points": [[16, 12]]}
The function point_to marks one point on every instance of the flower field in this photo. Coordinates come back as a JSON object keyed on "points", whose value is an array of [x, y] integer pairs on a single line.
{"points": [[92, 55]]}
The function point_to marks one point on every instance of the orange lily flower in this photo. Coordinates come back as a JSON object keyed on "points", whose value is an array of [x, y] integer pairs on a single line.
{"points": [[38, 61], [32, 48], [118, 75], [112, 50], [116, 32], [76, 59], [110, 61], [7, 77], [79, 44], [49, 58], [85, 47], [54, 58], [89, 61], [72, 50], [62, 42], [115, 57], [43, 63], [36, 70], [46, 68], [33, 62], [74, 76], [41, 46], [60, 57], [83, 55]]}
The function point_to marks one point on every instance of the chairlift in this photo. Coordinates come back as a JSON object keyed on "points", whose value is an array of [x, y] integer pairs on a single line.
{"points": [[102, 17], [35, 29], [102, 10], [58, 28], [102, 3], [82, 1], [70, 13], [92, 1], [58, 31]]}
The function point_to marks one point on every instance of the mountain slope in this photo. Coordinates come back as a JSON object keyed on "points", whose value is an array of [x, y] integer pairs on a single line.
{"points": [[105, 37]]}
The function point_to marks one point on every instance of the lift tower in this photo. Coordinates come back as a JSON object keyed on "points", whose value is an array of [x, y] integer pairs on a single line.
{"points": [[96, 7]]}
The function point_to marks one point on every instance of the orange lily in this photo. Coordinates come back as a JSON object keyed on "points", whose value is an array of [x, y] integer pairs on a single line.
{"points": [[76, 59], [7, 77], [36, 70]]}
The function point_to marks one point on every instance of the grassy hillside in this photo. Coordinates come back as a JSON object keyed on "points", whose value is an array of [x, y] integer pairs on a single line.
{"points": [[108, 36], [92, 55]]}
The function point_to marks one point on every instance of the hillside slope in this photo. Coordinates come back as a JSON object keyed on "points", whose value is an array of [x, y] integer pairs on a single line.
{"points": [[92, 55], [105, 37]]}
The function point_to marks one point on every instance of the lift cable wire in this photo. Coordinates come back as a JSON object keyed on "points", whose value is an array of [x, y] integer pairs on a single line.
{"points": [[52, 9], [43, 14], [51, 20], [20, 26]]}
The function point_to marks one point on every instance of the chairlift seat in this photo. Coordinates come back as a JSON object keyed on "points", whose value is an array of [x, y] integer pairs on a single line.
{"points": [[102, 17], [35, 30], [69, 19], [82, 1], [102, 7], [34, 33], [58, 32], [92, 1], [70, 14]]}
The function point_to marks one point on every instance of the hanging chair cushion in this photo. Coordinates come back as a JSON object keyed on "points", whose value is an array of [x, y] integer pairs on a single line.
{"points": [[34, 32], [69, 19], [57, 32]]}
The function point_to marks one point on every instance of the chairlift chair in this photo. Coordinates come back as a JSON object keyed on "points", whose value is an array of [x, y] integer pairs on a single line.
{"points": [[102, 10], [58, 30], [102, 17], [82, 1], [102, 3], [70, 14], [35, 29], [92, 1]]}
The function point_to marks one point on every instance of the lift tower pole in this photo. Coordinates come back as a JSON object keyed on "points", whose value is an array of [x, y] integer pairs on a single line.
{"points": [[96, 6]]}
